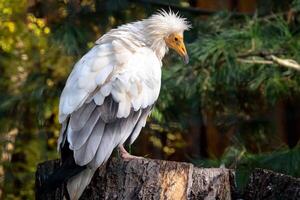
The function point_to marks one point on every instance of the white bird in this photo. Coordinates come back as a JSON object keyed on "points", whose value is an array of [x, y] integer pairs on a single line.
{"points": [[110, 93]]}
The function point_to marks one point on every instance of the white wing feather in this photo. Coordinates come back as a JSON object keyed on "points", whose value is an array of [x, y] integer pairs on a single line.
{"points": [[132, 78], [117, 70]]}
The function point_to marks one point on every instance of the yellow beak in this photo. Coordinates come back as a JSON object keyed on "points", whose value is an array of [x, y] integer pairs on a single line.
{"points": [[175, 41]]}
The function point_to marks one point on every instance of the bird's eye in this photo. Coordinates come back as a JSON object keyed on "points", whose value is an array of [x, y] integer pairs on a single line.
{"points": [[176, 39]]}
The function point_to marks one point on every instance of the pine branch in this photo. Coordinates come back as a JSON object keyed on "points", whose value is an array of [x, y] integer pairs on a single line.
{"points": [[285, 62], [255, 61], [269, 59]]}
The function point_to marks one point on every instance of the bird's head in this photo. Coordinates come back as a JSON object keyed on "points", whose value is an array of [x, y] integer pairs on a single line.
{"points": [[168, 28], [175, 41]]}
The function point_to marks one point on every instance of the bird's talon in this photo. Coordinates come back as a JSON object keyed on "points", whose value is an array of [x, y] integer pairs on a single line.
{"points": [[125, 155]]}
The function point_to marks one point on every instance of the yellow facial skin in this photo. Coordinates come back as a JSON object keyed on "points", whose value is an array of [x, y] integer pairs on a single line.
{"points": [[175, 41]]}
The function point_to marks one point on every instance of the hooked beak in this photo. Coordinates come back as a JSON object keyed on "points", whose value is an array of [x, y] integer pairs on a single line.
{"points": [[186, 59], [181, 50]]}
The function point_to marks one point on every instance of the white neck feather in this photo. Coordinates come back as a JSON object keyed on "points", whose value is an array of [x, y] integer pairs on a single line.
{"points": [[158, 45]]}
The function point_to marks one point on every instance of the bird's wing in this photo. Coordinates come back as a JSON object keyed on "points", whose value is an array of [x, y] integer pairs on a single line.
{"points": [[86, 76], [107, 99]]}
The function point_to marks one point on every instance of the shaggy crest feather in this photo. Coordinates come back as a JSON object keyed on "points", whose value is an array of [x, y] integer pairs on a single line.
{"points": [[165, 23]]}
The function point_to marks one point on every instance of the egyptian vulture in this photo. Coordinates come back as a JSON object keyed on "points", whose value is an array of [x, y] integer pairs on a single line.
{"points": [[110, 93]]}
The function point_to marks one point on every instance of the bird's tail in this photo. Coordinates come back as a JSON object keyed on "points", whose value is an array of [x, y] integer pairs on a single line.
{"points": [[66, 171], [79, 182]]}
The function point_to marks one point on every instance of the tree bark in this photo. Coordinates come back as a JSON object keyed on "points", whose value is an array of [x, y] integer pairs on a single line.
{"points": [[147, 179]]}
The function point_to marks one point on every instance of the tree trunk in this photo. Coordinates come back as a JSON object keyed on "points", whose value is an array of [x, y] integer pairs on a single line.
{"points": [[147, 179]]}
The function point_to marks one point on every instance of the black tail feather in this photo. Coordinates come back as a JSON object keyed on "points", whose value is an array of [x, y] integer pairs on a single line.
{"points": [[67, 170]]}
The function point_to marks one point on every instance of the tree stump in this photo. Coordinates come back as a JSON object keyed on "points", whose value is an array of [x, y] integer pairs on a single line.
{"points": [[269, 185], [147, 179]]}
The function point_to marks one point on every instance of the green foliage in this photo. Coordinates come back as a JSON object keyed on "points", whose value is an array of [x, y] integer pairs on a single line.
{"points": [[296, 5], [228, 76], [31, 79], [284, 161], [215, 69], [227, 73]]}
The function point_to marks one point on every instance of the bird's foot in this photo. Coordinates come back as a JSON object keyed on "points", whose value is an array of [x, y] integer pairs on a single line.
{"points": [[125, 155]]}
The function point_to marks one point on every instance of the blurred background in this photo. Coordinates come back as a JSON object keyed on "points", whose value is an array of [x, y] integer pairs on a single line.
{"points": [[234, 105]]}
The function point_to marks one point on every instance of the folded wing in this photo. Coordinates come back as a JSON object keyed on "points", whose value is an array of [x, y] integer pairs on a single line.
{"points": [[107, 99]]}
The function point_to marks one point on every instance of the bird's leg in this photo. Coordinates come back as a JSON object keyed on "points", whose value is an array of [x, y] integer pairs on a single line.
{"points": [[125, 155]]}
